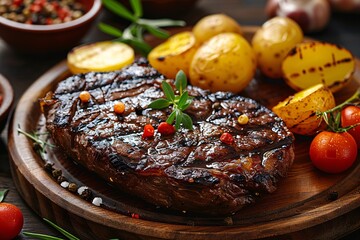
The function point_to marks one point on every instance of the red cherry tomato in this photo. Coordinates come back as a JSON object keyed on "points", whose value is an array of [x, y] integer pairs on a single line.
{"points": [[166, 129], [350, 115], [333, 152], [148, 131], [227, 138], [11, 221]]}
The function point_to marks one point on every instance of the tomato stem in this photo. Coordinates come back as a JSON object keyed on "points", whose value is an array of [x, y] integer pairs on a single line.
{"points": [[332, 116], [355, 96]]}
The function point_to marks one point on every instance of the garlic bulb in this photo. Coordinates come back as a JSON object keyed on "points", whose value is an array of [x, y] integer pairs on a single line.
{"points": [[311, 15]]}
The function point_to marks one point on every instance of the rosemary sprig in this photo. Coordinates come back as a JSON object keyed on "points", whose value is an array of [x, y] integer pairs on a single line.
{"points": [[332, 116], [38, 144], [133, 34], [48, 237], [40, 236], [179, 102]]}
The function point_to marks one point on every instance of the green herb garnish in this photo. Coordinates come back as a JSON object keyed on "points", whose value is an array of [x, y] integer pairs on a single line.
{"points": [[48, 237], [38, 144], [133, 34], [332, 116], [41, 236], [179, 102], [3, 194]]}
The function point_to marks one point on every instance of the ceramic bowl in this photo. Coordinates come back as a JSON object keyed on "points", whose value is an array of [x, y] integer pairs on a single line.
{"points": [[49, 38]]}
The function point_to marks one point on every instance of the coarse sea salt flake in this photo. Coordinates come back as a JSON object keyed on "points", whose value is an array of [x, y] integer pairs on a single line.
{"points": [[64, 184], [97, 201], [81, 189]]}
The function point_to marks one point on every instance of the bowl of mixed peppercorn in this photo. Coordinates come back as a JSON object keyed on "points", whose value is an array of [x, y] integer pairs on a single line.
{"points": [[46, 26], [6, 101]]}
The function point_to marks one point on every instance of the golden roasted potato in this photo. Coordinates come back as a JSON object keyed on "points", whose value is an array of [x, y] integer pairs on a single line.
{"points": [[273, 41], [211, 25], [310, 63], [224, 63], [299, 111], [174, 54], [100, 56]]}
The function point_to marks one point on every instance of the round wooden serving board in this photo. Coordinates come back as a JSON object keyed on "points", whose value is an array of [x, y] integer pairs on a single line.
{"points": [[308, 204], [6, 101]]}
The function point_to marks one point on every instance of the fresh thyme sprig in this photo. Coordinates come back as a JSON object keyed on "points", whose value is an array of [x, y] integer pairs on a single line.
{"points": [[48, 237], [38, 144], [133, 34], [332, 117], [179, 102]]}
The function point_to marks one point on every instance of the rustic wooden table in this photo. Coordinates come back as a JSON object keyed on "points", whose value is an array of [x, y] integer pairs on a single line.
{"points": [[22, 70]]}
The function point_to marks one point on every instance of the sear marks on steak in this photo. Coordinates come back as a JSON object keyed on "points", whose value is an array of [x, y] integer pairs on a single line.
{"points": [[189, 171]]}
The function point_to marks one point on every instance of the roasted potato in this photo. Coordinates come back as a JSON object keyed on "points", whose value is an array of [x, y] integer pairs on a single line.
{"points": [[299, 111], [224, 63], [211, 25], [310, 63], [100, 56], [174, 54], [273, 41]]}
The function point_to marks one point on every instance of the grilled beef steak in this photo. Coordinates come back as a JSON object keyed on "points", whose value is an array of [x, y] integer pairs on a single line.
{"points": [[191, 170]]}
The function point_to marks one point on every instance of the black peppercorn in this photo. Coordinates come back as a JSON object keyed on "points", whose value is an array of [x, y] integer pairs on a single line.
{"points": [[86, 194], [216, 105], [72, 187], [60, 179], [56, 173], [49, 167]]}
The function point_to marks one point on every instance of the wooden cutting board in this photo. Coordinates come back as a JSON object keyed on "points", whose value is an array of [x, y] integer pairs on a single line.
{"points": [[308, 204]]}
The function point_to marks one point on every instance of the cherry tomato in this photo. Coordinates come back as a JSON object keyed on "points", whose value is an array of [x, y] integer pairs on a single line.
{"points": [[350, 115], [333, 152], [148, 131], [11, 221], [166, 129], [227, 138]]}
